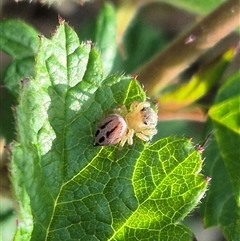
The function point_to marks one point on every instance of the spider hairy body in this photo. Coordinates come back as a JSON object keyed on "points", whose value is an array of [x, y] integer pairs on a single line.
{"points": [[141, 120]]}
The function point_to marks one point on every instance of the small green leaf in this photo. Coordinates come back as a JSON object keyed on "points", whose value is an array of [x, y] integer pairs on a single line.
{"points": [[227, 114], [21, 42], [225, 168], [18, 39], [200, 7], [187, 93], [69, 189], [16, 71], [106, 36]]}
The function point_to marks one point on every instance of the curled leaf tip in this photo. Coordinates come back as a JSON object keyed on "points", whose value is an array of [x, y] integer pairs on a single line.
{"points": [[90, 43], [135, 76], [61, 19], [200, 148], [208, 179]]}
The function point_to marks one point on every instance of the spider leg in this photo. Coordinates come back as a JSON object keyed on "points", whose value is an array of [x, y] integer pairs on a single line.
{"points": [[149, 132], [121, 110], [134, 105], [146, 134], [123, 141], [143, 137], [130, 136]]}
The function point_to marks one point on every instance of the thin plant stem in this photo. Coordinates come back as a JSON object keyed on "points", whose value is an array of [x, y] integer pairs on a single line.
{"points": [[165, 66]]}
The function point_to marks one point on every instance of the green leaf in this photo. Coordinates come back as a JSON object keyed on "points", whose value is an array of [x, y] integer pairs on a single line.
{"points": [[16, 71], [18, 39], [187, 93], [21, 42], [69, 189], [106, 36], [227, 113], [199, 7], [225, 168]]}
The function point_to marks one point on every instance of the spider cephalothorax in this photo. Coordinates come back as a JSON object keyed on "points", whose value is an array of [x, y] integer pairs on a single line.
{"points": [[141, 120]]}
